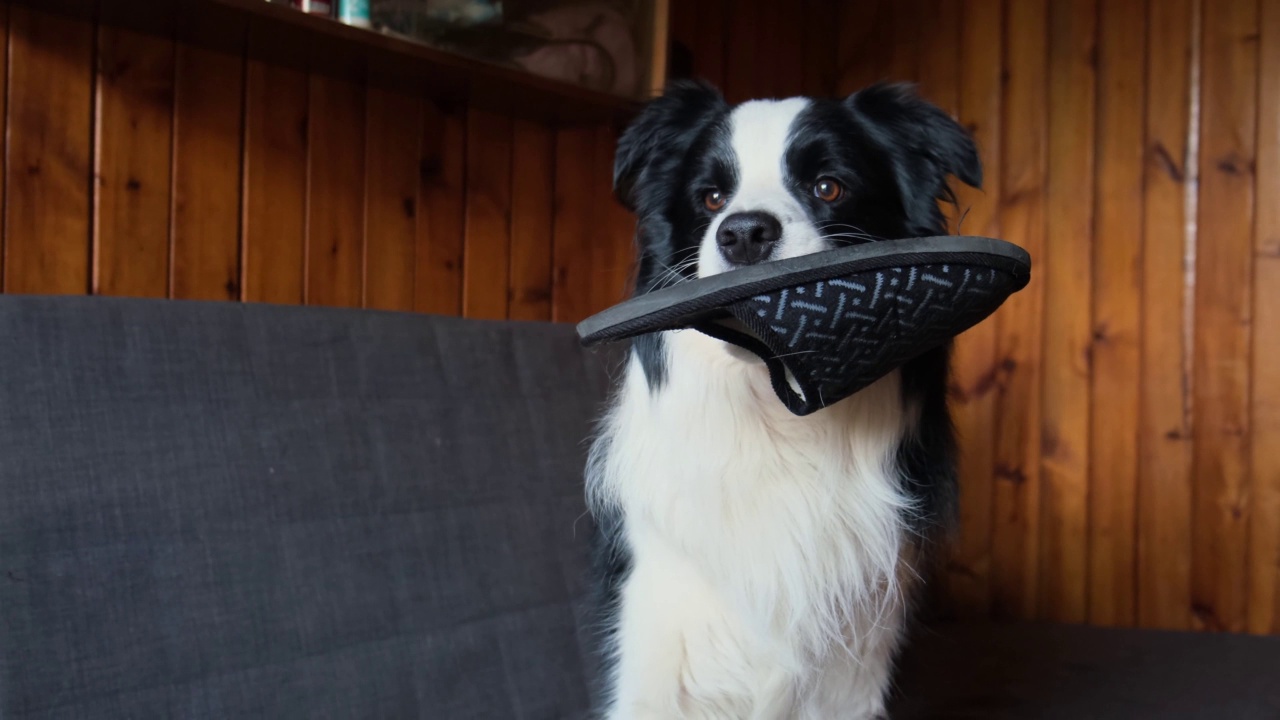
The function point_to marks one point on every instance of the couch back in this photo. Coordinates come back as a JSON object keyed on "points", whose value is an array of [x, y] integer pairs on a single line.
{"points": [[221, 510]]}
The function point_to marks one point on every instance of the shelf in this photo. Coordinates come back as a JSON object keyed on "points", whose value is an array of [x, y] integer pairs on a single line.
{"points": [[279, 34]]}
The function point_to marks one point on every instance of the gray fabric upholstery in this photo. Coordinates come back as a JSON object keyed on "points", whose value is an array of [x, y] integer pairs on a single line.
{"points": [[218, 511], [1056, 672]]}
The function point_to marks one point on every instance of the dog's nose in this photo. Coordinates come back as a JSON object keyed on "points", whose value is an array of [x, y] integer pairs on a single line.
{"points": [[747, 238]]}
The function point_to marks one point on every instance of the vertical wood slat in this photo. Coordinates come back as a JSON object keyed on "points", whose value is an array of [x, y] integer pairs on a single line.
{"points": [[938, 71], [712, 33], [1222, 315], [1264, 543], [573, 233], [1117, 263], [1015, 509], [532, 200], [612, 246], [134, 163], [1067, 323], [974, 368], [865, 30], [820, 49], [442, 186], [205, 261], [487, 251], [1164, 435], [393, 137], [744, 65], [336, 198], [275, 190], [48, 174]]}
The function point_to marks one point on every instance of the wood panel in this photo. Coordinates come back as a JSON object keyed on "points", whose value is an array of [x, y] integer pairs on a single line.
{"points": [[442, 171], [1222, 315], [1164, 428], [393, 139], [207, 175], [532, 200], [573, 233], [1067, 322], [1117, 297], [487, 263], [47, 199], [973, 382], [1023, 186], [1264, 540], [275, 191], [335, 225], [134, 163]]}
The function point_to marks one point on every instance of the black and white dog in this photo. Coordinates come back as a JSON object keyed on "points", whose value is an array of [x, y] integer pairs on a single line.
{"points": [[753, 563]]}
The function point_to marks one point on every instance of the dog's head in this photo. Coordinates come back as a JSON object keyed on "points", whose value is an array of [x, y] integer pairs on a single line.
{"points": [[717, 187]]}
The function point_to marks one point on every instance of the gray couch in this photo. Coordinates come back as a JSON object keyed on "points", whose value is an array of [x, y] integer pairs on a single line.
{"points": [[226, 511]]}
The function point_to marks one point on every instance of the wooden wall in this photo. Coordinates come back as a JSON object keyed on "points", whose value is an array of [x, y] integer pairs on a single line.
{"points": [[1121, 416], [141, 166]]}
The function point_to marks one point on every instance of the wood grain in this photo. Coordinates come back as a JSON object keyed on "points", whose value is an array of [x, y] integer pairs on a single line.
{"points": [[712, 33], [746, 68], [134, 163], [1264, 540], [532, 201], [1023, 186], [275, 190], [863, 43], [1164, 426], [820, 32], [207, 175], [394, 136], [336, 198], [938, 72], [48, 173], [1222, 315], [974, 366], [573, 234], [1068, 266], [1117, 299], [487, 263], [611, 247], [442, 170]]}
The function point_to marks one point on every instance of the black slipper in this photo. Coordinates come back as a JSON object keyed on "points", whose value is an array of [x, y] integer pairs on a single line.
{"points": [[829, 324]]}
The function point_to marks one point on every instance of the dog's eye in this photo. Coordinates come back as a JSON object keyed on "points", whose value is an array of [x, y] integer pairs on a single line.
{"points": [[827, 190], [714, 200]]}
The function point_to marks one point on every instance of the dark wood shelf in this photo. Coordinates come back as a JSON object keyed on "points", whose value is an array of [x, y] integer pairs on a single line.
{"points": [[279, 34]]}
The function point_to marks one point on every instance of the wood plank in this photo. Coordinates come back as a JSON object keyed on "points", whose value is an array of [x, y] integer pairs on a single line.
{"points": [[48, 174], [1067, 322], [438, 280], [572, 298], [336, 197], [974, 370], [907, 42], [1264, 543], [1164, 437], [275, 192], [863, 41], [612, 248], [744, 65], [790, 59], [207, 175], [1222, 315], [939, 48], [1117, 297], [532, 199], [820, 52], [1015, 512], [713, 37], [487, 249], [135, 162], [393, 140]]}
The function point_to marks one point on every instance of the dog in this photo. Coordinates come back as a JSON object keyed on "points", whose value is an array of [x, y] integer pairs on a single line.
{"points": [[751, 563]]}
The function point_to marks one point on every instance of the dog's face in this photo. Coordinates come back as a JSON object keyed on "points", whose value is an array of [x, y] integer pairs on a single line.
{"points": [[718, 187]]}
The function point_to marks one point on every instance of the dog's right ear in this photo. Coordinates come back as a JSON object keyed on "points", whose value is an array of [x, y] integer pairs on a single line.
{"points": [[654, 144]]}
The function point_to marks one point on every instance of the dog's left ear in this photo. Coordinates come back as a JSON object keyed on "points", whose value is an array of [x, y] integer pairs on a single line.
{"points": [[927, 146]]}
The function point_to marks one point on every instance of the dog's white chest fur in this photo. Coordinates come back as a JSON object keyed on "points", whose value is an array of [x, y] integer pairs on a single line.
{"points": [[766, 546]]}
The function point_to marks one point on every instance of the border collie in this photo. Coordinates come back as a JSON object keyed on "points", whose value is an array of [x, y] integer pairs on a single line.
{"points": [[753, 563]]}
